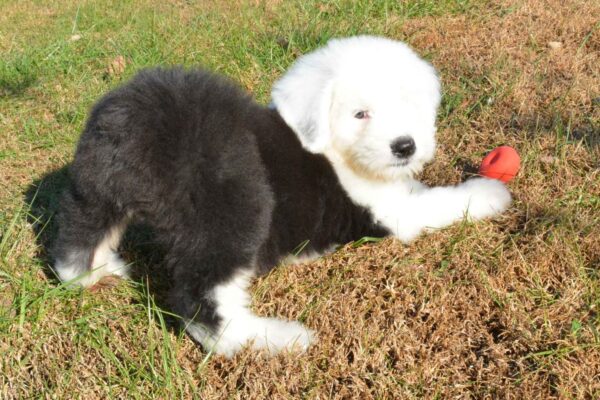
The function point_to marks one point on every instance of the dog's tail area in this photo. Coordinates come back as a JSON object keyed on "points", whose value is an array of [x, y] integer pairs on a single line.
{"points": [[89, 234]]}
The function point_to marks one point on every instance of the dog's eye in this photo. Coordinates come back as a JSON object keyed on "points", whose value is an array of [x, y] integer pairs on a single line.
{"points": [[361, 115]]}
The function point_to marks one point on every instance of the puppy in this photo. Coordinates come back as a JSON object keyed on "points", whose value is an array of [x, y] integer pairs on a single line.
{"points": [[231, 187]]}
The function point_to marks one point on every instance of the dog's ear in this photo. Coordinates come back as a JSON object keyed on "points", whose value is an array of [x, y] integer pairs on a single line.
{"points": [[303, 98]]}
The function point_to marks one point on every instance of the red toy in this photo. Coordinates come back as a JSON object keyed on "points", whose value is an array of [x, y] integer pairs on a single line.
{"points": [[502, 163]]}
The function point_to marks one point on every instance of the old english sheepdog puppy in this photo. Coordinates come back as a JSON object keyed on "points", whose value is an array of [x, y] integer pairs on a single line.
{"points": [[231, 188]]}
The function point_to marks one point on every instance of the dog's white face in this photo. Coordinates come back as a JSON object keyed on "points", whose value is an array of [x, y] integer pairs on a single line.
{"points": [[370, 101], [380, 128]]}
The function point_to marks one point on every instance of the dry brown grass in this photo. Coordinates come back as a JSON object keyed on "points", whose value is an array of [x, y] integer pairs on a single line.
{"points": [[500, 309]]}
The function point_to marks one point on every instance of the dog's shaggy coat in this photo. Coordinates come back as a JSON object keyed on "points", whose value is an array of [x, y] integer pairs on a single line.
{"points": [[231, 187]]}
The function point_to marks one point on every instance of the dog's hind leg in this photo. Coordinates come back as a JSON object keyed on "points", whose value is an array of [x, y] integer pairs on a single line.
{"points": [[233, 325], [88, 237], [215, 306]]}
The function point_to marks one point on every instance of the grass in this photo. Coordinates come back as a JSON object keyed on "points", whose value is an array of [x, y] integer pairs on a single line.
{"points": [[507, 308]]}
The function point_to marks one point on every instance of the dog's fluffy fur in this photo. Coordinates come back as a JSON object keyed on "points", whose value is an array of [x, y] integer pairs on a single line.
{"points": [[231, 188]]}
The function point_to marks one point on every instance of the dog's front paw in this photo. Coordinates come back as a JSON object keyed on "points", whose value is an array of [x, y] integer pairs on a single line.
{"points": [[486, 197]]}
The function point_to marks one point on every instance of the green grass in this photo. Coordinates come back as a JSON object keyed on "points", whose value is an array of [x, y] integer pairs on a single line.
{"points": [[413, 317]]}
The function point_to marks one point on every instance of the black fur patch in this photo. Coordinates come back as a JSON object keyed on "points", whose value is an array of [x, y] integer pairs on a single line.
{"points": [[223, 181]]}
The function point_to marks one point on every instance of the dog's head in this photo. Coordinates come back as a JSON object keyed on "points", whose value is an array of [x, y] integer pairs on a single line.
{"points": [[369, 100]]}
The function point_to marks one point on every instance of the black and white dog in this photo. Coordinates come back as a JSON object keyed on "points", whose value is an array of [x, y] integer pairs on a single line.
{"points": [[231, 187]]}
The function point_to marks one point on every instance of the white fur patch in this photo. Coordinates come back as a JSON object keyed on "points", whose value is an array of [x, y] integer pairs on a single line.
{"points": [[106, 261], [240, 327], [407, 207], [398, 92]]}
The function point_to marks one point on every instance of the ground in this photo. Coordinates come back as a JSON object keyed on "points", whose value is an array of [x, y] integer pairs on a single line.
{"points": [[505, 308]]}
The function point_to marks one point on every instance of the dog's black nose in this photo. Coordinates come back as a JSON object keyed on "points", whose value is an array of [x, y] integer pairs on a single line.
{"points": [[403, 147]]}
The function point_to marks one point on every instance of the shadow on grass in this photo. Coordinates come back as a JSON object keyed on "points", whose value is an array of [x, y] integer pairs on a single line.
{"points": [[43, 198], [137, 248]]}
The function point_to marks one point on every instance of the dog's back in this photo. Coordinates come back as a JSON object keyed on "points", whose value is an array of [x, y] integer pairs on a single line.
{"points": [[169, 148]]}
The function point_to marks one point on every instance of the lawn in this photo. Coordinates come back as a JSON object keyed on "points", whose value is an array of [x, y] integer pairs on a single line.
{"points": [[505, 308]]}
